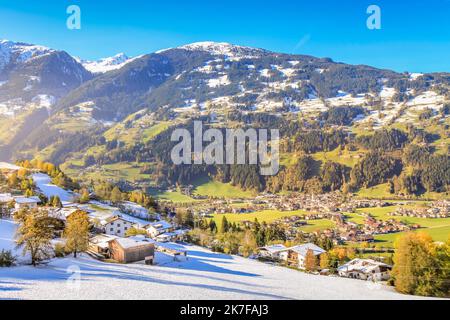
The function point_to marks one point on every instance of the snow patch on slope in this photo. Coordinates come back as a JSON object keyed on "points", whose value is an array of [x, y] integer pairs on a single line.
{"points": [[20, 52], [44, 100], [44, 184], [222, 81], [232, 52]]}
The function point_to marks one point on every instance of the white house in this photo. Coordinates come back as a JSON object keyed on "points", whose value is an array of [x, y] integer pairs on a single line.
{"points": [[6, 198], [26, 202], [296, 255], [176, 235], [159, 227], [365, 269], [164, 237], [63, 213], [272, 252], [116, 226]]}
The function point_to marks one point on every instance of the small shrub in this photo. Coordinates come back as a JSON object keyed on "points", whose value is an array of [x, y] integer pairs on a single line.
{"points": [[7, 259], [60, 250]]}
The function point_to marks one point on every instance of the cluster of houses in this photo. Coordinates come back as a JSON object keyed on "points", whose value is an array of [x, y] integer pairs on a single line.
{"points": [[322, 203], [321, 206], [439, 209], [363, 269], [109, 236], [351, 231], [353, 204], [374, 226], [344, 231], [18, 202]]}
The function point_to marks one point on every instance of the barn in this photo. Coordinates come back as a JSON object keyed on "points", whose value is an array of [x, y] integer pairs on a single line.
{"points": [[127, 250]]}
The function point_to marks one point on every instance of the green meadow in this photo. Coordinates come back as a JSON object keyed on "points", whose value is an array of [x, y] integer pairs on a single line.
{"points": [[208, 188], [269, 216]]}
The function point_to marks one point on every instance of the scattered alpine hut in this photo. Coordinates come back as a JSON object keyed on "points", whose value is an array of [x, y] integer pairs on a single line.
{"points": [[26, 202], [125, 250], [159, 227]]}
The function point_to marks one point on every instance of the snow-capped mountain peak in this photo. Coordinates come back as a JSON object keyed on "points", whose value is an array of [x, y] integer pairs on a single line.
{"points": [[20, 52], [222, 48], [115, 60], [107, 64]]}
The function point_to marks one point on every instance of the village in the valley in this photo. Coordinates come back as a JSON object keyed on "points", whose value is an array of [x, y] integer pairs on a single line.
{"points": [[127, 233]]}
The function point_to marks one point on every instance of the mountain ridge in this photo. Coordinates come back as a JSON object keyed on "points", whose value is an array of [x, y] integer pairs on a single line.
{"points": [[205, 77]]}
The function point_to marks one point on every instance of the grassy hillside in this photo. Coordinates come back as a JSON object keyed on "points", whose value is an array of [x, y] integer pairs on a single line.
{"points": [[174, 196], [207, 187]]}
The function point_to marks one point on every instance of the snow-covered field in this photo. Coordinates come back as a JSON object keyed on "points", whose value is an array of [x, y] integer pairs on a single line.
{"points": [[7, 229], [44, 184], [204, 275], [102, 211]]}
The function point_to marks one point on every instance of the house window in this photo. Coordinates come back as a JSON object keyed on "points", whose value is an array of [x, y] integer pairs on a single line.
{"points": [[126, 228], [112, 223], [112, 229], [118, 225]]}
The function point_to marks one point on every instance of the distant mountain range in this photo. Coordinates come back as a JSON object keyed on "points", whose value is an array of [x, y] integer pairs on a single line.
{"points": [[46, 94]]}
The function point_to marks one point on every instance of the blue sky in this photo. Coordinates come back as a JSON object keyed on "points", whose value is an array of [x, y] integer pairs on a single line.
{"points": [[415, 35]]}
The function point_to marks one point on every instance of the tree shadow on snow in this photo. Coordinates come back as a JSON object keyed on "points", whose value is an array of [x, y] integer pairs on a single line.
{"points": [[6, 289], [91, 269], [196, 253]]}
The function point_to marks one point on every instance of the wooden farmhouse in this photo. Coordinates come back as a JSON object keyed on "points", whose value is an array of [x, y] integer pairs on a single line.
{"points": [[126, 250]]}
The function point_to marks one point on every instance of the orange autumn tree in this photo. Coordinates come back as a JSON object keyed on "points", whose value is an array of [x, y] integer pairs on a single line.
{"points": [[310, 261]]}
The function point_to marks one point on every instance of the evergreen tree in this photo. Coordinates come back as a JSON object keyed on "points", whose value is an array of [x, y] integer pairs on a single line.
{"points": [[212, 226], [225, 226], [56, 202]]}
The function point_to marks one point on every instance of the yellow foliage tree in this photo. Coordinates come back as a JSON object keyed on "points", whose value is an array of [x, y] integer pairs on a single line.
{"points": [[420, 266], [76, 232], [324, 261]]}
